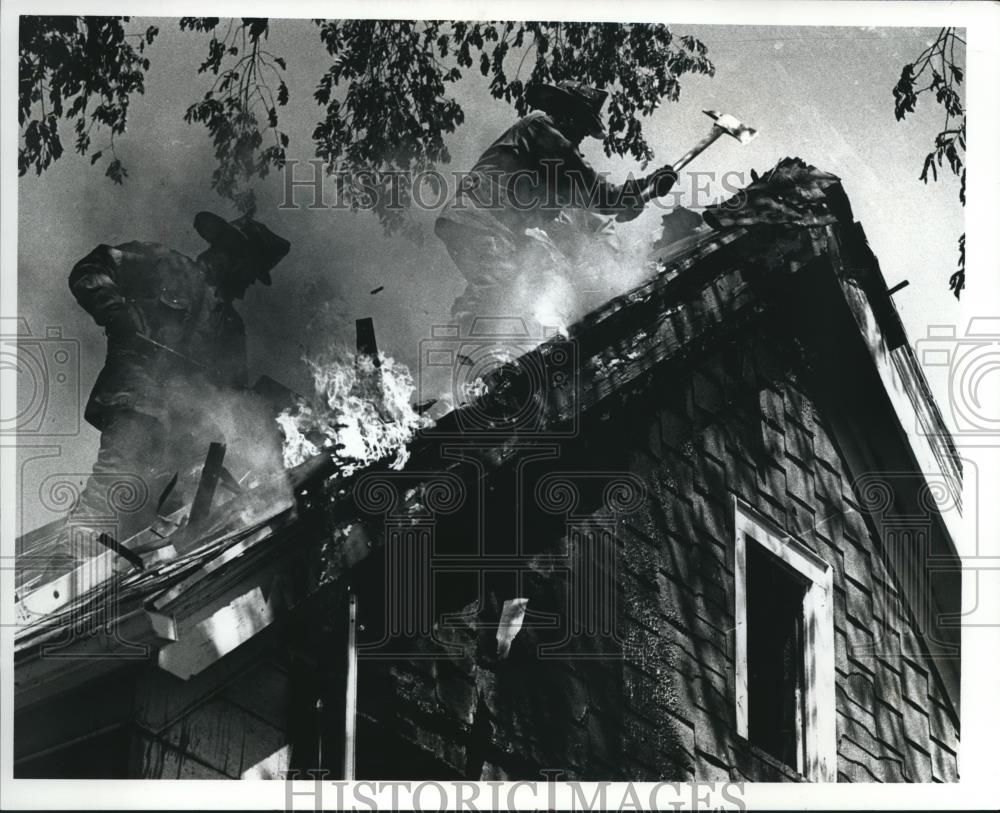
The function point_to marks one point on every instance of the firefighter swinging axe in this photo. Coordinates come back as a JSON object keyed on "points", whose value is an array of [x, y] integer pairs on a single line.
{"points": [[724, 124]]}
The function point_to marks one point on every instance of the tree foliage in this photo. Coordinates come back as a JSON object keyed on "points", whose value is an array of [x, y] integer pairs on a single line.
{"points": [[385, 101], [942, 78], [395, 109], [79, 70], [248, 90]]}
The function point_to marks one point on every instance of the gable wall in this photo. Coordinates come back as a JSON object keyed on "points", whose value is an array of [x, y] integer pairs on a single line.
{"points": [[745, 426], [658, 702]]}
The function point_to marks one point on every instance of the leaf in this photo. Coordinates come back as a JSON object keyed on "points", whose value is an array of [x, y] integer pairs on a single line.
{"points": [[949, 143], [391, 108], [63, 57], [393, 102], [116, 171], [929, 166], [256, 27], [956, 282]]}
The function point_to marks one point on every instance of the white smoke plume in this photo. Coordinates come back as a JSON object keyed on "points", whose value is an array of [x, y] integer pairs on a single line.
{"points": [[572, 267]]}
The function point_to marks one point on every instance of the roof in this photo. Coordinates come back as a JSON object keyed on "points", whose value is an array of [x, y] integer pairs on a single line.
{"points": [[708, 287]]}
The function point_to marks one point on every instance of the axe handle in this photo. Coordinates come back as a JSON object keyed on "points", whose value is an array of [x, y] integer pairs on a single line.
{"points": [[175, 353], [689, 156], [699, 148]]}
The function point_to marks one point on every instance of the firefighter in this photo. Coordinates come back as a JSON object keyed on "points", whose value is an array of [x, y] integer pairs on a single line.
{"points": [[174, 338], [520, 186]]}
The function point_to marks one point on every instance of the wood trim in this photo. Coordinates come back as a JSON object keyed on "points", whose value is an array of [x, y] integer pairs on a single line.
{"points": [[919, 418], [820, 724], [54, 668], [212, 638], [883, 422]]}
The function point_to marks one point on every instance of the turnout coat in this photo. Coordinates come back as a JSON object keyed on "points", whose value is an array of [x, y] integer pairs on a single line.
{"points": [[167, 297]]}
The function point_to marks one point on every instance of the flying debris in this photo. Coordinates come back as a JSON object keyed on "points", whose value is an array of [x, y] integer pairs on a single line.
{"points": [[511, 621], [423, 406]]}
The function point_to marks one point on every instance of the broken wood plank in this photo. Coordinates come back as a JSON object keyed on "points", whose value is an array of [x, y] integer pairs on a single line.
{"points": [[237, 516], [365, 336], [210, 472], [117, 547], [223, 631], [232, 613], [39, 605], [166, 600]]}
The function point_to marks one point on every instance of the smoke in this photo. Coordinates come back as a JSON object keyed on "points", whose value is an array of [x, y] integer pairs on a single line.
{"points": [[241, 419], [566, 270], [562, 273]]}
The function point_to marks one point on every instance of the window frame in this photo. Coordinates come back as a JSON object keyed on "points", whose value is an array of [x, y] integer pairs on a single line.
{"points": [[819, 725]]}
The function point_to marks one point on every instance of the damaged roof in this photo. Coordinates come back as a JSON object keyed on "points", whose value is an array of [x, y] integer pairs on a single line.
{"points": [[810, 259]]}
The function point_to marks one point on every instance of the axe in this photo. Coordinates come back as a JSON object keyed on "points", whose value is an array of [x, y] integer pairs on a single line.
{"points": [[725, 124]]}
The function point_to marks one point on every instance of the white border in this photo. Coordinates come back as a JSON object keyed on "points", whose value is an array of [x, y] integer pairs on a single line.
{"points": [[820, 699], [980, 702]]}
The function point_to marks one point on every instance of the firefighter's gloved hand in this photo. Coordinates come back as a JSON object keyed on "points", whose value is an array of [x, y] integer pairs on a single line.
{"points": [[662, 181]]}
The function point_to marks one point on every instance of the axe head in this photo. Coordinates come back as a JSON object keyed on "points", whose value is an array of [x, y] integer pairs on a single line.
{"points": [[732, 126]]}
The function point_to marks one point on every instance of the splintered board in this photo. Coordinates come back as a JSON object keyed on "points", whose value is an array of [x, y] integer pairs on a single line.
{"points": [[41, 603]]}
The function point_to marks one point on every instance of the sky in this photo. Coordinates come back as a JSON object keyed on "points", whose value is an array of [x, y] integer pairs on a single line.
{"points": [[823, 94]]}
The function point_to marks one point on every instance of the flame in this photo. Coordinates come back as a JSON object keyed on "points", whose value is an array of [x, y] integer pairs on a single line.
{"points": [[361, 412]]}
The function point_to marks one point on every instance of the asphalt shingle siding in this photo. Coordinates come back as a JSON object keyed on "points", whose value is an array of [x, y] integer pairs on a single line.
{"points": [[660, 704]]}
